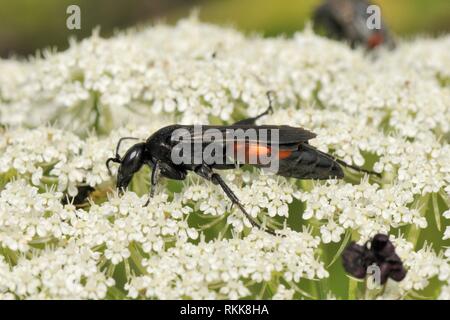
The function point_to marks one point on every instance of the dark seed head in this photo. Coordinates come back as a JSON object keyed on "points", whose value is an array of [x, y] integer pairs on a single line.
{"points": [[80, 198], [381, 251], [381, 246], [354, 262]]}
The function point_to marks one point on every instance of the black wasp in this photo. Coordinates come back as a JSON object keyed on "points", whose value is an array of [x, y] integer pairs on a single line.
{"points": [[296, 158]]}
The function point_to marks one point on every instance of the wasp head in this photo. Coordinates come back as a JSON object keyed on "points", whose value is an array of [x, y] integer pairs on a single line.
{"points": [[131, 162]]}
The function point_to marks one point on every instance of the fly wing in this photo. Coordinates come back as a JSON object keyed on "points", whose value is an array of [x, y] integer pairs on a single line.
{"points": [[268, 134]]}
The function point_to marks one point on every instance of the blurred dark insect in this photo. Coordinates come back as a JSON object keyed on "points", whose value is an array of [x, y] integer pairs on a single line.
{"points": [[379, 251], [346, 20], [81, 198]]}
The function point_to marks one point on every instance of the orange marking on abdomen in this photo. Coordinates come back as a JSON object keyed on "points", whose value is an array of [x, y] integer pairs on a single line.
{"points": [[256, 150], [283, 154]]}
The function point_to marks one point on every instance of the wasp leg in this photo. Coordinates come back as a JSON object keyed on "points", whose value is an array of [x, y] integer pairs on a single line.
{"points": [[251, 121], [207, 173], [154, 181], [166, 170], [358, 169]]}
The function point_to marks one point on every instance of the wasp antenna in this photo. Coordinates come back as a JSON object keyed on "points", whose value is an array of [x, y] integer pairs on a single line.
{"points": [[345, 164], [120, 141], [116, 160], [269, 97]]}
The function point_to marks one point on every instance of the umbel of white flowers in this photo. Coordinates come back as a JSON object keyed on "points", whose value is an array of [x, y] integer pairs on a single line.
{"points": [[390, 114]]}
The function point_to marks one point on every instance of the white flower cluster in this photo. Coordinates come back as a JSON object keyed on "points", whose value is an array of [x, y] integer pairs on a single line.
{"points": [[54, 155], [206, 69], [24, 216], [68, 272], [389, 113], [123, 224], [195, 271], [365, 208], [422, 266]]}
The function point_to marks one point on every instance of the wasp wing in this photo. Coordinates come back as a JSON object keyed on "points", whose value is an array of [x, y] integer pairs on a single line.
{"points": [[267, 134], [306, 162]]}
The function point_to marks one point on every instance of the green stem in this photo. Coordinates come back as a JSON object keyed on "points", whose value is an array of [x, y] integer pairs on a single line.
{"points": [[315, 289], [136, 258], [216, 286], [294, 286], [261, 293], [352, 289], [366, 290], [322, 285], [223, 232], [437, 215], [11, 256], [110, 270], [344, 243], [307, 185], [353, 283], [49, 180], [212, 223], [97, 113], [445, 197], [127, 269], [414, 231]]}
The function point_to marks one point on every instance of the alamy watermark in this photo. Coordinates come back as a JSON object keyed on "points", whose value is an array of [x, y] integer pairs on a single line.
{"points": [[73, 21], [374, 273], [373, 22], [203, 145]]}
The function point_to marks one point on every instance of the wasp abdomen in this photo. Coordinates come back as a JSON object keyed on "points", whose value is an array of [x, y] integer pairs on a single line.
{"points": [[309, 163]]}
